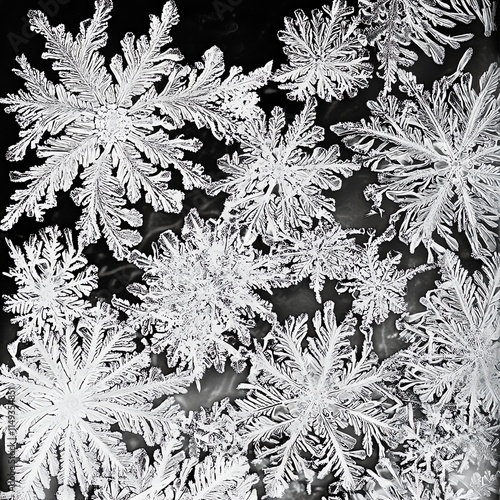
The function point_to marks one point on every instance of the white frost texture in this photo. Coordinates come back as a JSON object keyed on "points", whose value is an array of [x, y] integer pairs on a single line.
{"points": [[263, 269]]}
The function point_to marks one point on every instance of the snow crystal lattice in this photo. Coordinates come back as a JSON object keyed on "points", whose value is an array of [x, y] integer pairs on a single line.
{"points": [[437, 155], [302, 400], [326, 54], [114, 134]]}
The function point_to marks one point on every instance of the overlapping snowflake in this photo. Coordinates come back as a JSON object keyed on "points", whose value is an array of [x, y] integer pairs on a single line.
{"points": [[317, 404]]}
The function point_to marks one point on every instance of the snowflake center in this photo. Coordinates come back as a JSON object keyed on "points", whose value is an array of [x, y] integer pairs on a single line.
{"points": [[47, 293], [277, 171], [113, 124], [71, 404]]}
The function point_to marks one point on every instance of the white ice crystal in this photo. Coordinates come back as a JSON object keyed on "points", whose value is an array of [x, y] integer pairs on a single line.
{"points": [[326, 53], [71, 389], [200, 289], [172, 476], [110, 128], [53, 282], [441, 448], [213, 430], [306, 405], [392, 483], [437, 155], [392, 25], [455, 342], [325, 252], [377, 285], [275, 186]]}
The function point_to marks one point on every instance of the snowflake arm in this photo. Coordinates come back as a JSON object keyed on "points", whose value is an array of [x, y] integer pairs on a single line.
{"points": [[326, 54], [201, 96]]}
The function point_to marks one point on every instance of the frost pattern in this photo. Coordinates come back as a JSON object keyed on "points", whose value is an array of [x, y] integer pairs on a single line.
{"points": [[455, 350], [390, 483], [198, 290], [316, 405], [302, 400], [377, 285], [53, 282], [168, 477], [115, 132], [437, 155], [326, 54], [71, 390], [275, 186], [325, 252], [392, 25]]}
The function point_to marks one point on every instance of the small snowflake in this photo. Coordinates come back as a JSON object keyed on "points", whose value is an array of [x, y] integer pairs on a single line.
{"points": [[53, 282], [327, 54], [320, 253], [274, 185], [377, 285], [199, 290]]}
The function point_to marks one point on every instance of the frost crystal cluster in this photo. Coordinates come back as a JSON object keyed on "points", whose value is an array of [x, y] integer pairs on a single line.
{"points": [[213, 311]]}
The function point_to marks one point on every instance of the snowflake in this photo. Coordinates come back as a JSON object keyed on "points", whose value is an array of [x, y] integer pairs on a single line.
{"points": [[441, 445], [323, 252], [114, 132], [437, 155], [393, 24], [377, 285], [199, 289], [71, 390], [213, 430], [166, 477], [274, 185], [326, 54], [454, 343], [391, 483], [53, 281], [305, 404]]}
